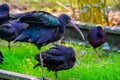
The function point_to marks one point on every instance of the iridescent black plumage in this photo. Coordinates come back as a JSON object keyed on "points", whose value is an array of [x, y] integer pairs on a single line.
{"points": [[9, 31], [4, 13], [57, 58], [19, 15], [44, 28], [96, 36]]}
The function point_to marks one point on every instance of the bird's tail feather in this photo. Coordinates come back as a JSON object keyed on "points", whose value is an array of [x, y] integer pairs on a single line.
{"points": [[21, 38], [38, 64]]}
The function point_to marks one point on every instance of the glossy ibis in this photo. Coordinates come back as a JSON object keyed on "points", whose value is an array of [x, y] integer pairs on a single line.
{"points": [[57, 58], [7, 30], [44, 28], [10, 30], [96, 37], [4, 13]]}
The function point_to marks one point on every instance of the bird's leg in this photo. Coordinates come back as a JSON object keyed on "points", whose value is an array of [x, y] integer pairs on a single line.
{"points": [[58, 42], [96, 54], [56, 75], [9, 45], [41, 60]]}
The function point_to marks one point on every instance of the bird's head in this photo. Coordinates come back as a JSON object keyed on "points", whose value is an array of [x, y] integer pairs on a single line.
{"points": [[65, 19], [4, 7], [100, 31], [99, 28]]}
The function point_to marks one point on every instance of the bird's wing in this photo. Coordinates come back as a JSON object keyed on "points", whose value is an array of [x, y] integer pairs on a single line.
{"points": [[18, 26], [92, 34], [54, 56], [17, 16], [94, 38], [37, 35], [9, 31], [41, 17]]}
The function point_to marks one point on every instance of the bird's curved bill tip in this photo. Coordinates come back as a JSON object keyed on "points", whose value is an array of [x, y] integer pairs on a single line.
{"points": [[76, 27]]}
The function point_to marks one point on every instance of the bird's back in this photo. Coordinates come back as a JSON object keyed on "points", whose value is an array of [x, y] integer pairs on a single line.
{"points": [[9, 31], [43, 28], [41, 17], [58, 58], [96, 36], [19, 15]]}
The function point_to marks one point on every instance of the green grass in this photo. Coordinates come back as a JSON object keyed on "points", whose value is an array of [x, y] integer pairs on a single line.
{"points": [[21, 59]]}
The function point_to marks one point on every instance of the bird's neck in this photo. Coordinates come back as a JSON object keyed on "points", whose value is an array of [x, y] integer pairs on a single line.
{"points": [[62, 26], [100, 33]]}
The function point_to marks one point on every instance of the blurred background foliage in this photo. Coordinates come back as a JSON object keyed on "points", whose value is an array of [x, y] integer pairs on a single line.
{"points": [[89, 11]]}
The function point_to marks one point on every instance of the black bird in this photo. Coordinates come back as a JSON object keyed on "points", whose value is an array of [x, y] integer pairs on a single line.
{"points": [[44, 28], [4, 13], [57, 58], [96, 37], [1, 57], [9, 31]]}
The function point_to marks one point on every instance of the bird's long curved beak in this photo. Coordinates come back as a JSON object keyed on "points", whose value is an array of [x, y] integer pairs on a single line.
{"points": [[76, 27]]}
